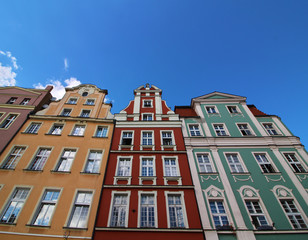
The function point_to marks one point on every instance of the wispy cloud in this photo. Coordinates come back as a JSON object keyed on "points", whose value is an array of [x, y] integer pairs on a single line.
{"points": [[7, 74], [66, 66], [58, 90]]}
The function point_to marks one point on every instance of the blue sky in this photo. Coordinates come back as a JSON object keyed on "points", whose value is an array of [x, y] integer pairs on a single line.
{"points": [[188, 48]]}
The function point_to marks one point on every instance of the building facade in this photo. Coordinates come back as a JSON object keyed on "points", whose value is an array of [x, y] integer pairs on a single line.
{"points": [[15, 105], [249, 171], [148, 191], [52, 171]]}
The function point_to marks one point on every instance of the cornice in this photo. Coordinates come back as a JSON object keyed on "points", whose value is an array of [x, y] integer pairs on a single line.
{"points": [[142, 124], [73, 119], [28, 107]]}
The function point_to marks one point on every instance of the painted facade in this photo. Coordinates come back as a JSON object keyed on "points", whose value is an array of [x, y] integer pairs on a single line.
{"points": [[249, 171], [53, 170], [15, 105], [148, 191]]}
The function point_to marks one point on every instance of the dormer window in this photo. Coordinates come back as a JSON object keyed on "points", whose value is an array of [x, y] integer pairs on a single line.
{"points": [[25, 101], [147, 117], [232, 109], [84, 94], [11, 100], [147, 103]]}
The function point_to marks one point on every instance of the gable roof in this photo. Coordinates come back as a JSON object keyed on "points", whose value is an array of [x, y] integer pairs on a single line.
{"points": [[218, 97]]}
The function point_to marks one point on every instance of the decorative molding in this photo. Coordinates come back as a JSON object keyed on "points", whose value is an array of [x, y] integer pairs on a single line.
{"points": [[302, 177], [241, 179], [281, 178], [210, 177]]}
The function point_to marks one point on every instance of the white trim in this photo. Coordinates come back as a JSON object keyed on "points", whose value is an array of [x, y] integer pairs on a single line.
{"points": [[274, 128], [248, 128], [121, 139], [199, 129], [153, 178], [147, 113], [238, 111], [113, 193], [176, 178], [210, 160], [216, 114], [128, 178], [167, 147], [154, 193], [281, 127], [150, 100], [298, 158], [269, 160], [204, 124], [224, 129], [141, 140], [239, 158]]}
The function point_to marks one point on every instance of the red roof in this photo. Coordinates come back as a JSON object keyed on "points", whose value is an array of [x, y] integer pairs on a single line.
{"points": [[185, 111], [255, 111]]}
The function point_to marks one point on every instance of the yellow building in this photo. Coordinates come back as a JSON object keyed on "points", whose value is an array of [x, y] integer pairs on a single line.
{"points": [[51, 174]]}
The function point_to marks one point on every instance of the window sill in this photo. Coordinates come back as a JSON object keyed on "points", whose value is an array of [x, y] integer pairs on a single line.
{"points": [[32, 170], [73, 228], [99, 137], [177, 179], [49, 134], [224, 228], [90, 173], [38, 226], [70, 103], [241, 173], [76, 135], [147, 178], [208, 173], [301, 173], [28, 133], [122, 178], [7, 169], [274, 173], [55, 171], [7, 224], [125, 147], [88, 104]]}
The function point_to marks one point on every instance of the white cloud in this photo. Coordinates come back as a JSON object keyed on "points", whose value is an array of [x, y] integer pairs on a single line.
{"points": [[7, 76], [58, 90], [11, 57], [66, 66]]}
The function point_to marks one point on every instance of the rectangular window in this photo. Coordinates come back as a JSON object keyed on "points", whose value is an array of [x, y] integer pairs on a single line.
{"points": [[46, 208], [147, 103], [147, 211], [244, 129], [171, 168], [293, 214], [127, 138], [219, 214], [66, 112], [79, 215], [85, 113], [11, 100], [40, 159], [194, 130], [119, 210], [205, 165], [66, 160], [56, 129], [232, 109], [147, 167], [8, 121], [78, 130], [124, 167], [101, 132], [235, 164], [176, 212], [294, 162], [270, 129], [94, 161], [211, 110], [220, 130], [13, 158], [14, 206], [147, 117], [72, 101], [256, 213], [25, 101], [33, 128], [167, 138], [90, 102], [264, 163], [147, 138]]}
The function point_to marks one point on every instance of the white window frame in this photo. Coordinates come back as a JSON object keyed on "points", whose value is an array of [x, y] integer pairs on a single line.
{"points": [[75, 128], [141, 177], [87, 101], [25, 101], [103, 131], [99, 160], [146, 145], [167, 147], [13, 117], [83, 111], [147, 100], [237, 113], [121, 145], [270, 161], [53, 128], [154, 194], [33, 162], [71, 99], [224, 129], [13, 157], [113, 194], [62, 158], [240, 161], [171, 177], [299, 161], [181, 194], [252, 133], [211, 163], [210, 113], [274, 127], [147, 114], [125, 177], [194, 130]]}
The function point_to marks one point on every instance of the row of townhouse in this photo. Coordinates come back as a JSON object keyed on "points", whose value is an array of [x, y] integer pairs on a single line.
{"points": [[217, 169]]}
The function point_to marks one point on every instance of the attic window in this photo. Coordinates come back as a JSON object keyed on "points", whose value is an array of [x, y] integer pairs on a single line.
{"points": [[84, 94]]}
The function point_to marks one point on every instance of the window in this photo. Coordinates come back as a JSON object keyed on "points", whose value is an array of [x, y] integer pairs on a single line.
{"points": [[124, 167], [204, 162], [147, 138], [25, 101], [14, 205], [84, 94], [72, 101], [13, 158], [232, 109], [40, 159], [11, 100], [85, 113], [79, 215], [78, 130], [147, 167], [119, 211], [127, 138], [66, 112], [256, 213], [56, 129], [244, 129], [66, 160], [294, 162], [264, 163], [167, 138], [90, 102], [147, 117], [46, 208], [94, 161], [8, 121], [270, 129], [101, 132], [176, 211], [33, 128], [211, 110], [170, 167], [234, 163], [147, 211], [194, 130], [293, 214], [219, 213], [220, 130], [147, 103]]}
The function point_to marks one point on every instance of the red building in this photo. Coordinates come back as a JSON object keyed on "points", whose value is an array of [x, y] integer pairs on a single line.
{"points": [[148, 191]]}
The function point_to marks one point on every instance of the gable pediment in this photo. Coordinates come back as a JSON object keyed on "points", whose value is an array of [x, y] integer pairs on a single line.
{"points": [[19, 91], [219, 97]]}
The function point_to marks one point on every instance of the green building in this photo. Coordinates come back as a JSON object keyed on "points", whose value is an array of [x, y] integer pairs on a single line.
{"points": [[249, 171]]}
